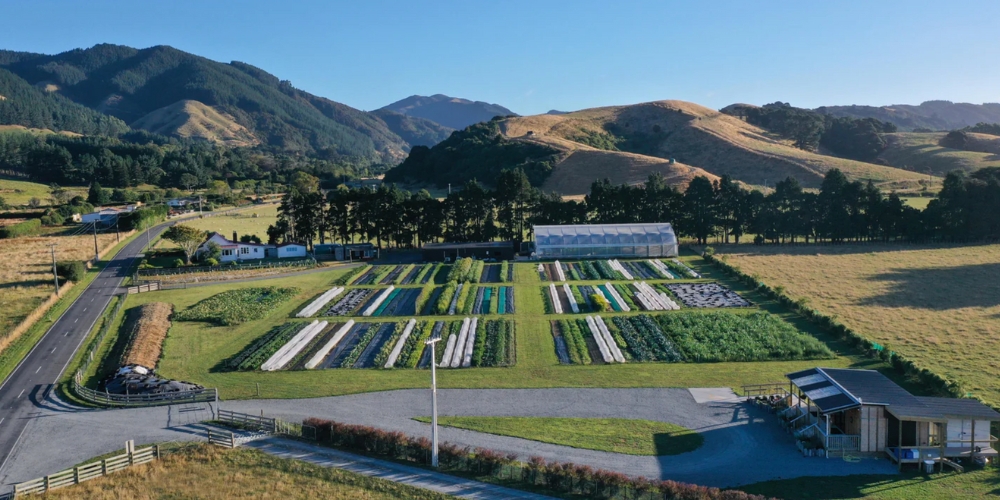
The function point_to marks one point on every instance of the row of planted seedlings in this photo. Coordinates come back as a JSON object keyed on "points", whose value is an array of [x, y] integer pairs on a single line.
{"points": [[616, 270], [607, 297], [402, 274], [322, 345], [718, 336], [468, 298]]}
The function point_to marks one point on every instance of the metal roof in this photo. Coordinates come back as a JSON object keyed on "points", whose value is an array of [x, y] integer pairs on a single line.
{"points": [[578, 235], [837, 389]]}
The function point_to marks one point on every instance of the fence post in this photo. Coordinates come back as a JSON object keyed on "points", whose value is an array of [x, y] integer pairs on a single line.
{"points": [[156, 451], [104, 467], [76, 475], [232, 440]]}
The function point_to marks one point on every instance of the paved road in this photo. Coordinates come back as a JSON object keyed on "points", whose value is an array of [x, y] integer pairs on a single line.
{"points": [[741, 446], [44, 365]]}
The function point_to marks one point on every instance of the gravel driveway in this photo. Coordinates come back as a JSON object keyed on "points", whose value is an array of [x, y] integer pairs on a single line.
{"points": [[742, 445]]}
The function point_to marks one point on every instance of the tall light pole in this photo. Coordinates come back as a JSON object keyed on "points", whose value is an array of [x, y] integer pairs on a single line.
{"points": [[97, 253], [434, 402], [52, 246]]}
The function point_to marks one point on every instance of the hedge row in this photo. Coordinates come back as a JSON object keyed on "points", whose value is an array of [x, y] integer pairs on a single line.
{"points": [[537, 473], [27, 228], [900, 363]]}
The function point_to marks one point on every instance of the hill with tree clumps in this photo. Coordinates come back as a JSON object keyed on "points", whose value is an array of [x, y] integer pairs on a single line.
{"points": [[679, 140], [170, 92]]}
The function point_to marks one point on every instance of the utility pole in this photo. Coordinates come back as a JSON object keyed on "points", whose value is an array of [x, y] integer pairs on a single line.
{"points": [[147, 224], [52, 247], [200, 213], [434, 402], [118, 235], [97, 253]]}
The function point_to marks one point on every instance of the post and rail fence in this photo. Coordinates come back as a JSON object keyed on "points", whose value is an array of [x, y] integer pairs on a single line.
{"points": [[151, 286], [255, 423], [82, 473]]}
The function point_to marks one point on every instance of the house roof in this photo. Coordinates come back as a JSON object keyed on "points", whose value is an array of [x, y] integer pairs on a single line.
{"points": [[230, 242], [836, 389], [291, 245]]}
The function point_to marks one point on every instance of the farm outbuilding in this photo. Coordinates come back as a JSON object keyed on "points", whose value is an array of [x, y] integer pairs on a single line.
{"points": [[499, 250], [863, 411], [605, 240]]}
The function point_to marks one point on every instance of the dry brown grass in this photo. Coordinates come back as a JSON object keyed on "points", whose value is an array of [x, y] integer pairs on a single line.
{"points": [[26, 273], [213, 472], [147, 327], [187, 118], [703, 138], [940, 306]]}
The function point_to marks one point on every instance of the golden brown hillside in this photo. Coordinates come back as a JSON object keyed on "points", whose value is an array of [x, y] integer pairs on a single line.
{"points": [[192, 119], [695, 136]]}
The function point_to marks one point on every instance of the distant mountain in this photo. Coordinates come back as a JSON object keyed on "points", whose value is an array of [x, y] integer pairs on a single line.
{"points": [[451, 112], [171, 92], [933, 115], [416, 131], [556, 112]]}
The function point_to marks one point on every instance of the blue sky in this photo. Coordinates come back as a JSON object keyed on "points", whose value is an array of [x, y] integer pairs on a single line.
{"points": [[532, 56]]}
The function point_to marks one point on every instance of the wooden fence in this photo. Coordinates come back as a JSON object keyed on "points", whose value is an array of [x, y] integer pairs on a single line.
{"points": [[258, 423], [152, 286], [77, 475], [237, 419], [129, 400]]}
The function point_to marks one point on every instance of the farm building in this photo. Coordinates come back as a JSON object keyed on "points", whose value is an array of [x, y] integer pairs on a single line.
{"points": [[499, 250], [357, 251], [863, 411], [235, 250], [605, 240], [290, 250]]}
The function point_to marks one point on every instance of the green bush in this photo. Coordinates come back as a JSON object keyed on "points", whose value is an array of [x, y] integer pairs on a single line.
{"points": [[71, 270], [210, 261], [27, 228], [178, 262]]}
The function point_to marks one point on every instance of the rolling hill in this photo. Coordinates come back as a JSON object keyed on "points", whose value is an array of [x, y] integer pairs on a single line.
{"points": [[934, 115], [172, 92], [627, 143], [451, 112], [924, 152]]}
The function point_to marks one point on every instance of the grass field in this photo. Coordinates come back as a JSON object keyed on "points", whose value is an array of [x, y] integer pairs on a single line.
{"points": [[937, 305], [252, 220], [616, 435], [18, 192], [921, 152], [193, 351], [911, 486], [26, 273], [206, 471], [918, 202]]}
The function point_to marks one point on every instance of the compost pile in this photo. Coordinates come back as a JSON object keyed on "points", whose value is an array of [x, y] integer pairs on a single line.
{"points": [[136, 379]]}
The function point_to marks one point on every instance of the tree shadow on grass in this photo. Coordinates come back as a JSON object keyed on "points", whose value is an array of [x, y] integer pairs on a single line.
{"points": [[939, 288]]}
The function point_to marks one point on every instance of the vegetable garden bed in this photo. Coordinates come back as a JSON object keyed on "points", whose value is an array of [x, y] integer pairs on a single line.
{"points": [[234, 307], [684, 336], [709, 295], [616, 270]]}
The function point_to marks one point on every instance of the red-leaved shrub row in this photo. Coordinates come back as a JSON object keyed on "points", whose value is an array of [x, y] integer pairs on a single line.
{"points": [[536, 473]]}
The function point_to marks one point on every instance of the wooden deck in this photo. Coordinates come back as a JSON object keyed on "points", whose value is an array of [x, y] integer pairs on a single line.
{"points": [[934, 453]]}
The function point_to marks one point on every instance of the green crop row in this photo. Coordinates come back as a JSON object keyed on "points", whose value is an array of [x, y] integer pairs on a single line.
{"points": [[255, 354], [366, 339], [349, 276], [576, 346]]}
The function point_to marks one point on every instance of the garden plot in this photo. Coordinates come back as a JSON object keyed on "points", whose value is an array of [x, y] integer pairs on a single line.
{"points": [[410, 276], [686, 336], [618, 297], [350, 302], [473, 342], [391, 302], [491, 274], [493, 300], [709, 295], [367, 277], [234, 307], [392, 275]]}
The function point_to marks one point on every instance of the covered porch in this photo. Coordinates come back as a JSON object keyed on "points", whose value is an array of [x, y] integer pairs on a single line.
{"points": [[941, 431]]}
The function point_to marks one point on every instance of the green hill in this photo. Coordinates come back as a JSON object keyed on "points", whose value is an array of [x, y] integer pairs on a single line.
{"points": [[129, 84], [24, 104]]}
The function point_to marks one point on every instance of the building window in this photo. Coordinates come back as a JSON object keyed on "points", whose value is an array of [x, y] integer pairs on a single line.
{"points": [[244, 250], [227, 252], [255, 249]]}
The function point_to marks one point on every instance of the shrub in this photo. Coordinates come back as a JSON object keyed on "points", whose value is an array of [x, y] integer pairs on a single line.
{"points": [[71, 270], [26, 228], [178, 262], [211, 262]]}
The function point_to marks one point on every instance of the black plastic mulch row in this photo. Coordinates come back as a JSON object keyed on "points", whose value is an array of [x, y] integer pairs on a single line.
{"points": [[412, 275], [389, 278], [367, 357], [346, 345]]}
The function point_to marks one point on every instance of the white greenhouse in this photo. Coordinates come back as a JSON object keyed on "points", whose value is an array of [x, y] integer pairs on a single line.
{"points": [[605, 240]]}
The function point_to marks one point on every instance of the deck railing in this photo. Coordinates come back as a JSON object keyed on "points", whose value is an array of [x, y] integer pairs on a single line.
{"points": [[772, 389], [843, 442]]}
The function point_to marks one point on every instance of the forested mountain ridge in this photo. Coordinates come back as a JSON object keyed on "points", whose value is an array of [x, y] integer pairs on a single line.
{"points": [[929, 115], [129, 84], [451, 112]]}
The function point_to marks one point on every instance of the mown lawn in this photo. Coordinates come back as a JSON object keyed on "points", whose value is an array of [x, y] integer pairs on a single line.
{"points": [[983, 483], [193, 351], [938, 305], [617, 435], [207, 471]]}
